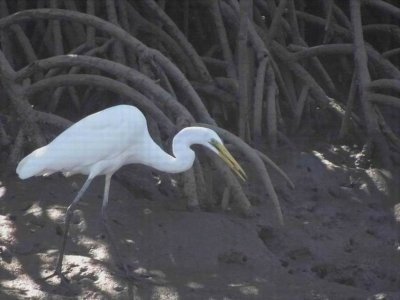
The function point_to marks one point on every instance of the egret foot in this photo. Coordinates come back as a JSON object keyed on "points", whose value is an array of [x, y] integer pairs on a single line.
{"points": [[124, 270], [136, 277], [68, 217], [115, 249], [57, 272]]}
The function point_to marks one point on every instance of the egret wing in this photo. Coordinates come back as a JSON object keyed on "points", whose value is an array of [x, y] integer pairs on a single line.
{"points": [[102, 136]]}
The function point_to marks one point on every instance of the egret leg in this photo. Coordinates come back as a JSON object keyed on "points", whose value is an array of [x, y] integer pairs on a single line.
{"points": [[106, 224], [111, 234], [68, 218], [105, 196]]}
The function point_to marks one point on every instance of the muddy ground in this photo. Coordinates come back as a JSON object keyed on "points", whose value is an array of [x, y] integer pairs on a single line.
{"points": [[340, 240]]}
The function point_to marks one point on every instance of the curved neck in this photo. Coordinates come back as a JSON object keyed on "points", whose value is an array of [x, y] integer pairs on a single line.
{"points": [[183, 158]]}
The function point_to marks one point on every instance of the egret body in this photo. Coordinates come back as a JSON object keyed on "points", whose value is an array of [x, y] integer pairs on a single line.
{"points": [[103, 142]]}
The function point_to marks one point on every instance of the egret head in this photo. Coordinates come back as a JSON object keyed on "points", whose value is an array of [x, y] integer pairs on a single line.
{"points": [[216, 145], [209, 138]]}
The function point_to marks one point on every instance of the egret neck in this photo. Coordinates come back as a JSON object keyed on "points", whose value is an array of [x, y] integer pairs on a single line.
{"points": [[183, 156]]}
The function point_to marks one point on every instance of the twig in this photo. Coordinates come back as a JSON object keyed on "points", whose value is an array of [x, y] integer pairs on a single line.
{"points": [[123, 15], [258, 99], [384, 6], [243, 70], [79, 31], [276, 21], [363, 77], [344, 127], [341, 16], [48, 118], [384, 99], [145, 27], [337, 30], [387, 130], [300, 72], [186, 9], [300, 107], [329, 21], [223, 38], [225, 198], [16, 148], [212, 90], [391, 52], [90, 30], [164, 81], [190, 190], [20, 35], [174, 31], [272, 130], [374, 56], [391, 84], [202, 192], [118, 52], [293, 22], [58, 47]]}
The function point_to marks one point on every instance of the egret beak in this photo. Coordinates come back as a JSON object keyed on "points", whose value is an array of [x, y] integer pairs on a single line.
{"points": [[229, 160]]}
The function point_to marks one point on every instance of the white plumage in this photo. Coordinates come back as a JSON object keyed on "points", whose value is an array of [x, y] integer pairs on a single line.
{"points": [[96, 145], [103, 142]]}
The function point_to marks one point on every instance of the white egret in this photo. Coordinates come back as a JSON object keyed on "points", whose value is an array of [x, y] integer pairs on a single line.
{"points": [[103, 142]]}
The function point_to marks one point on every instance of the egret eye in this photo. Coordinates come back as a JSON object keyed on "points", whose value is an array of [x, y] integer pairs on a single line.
{"points": [[214, 143]]}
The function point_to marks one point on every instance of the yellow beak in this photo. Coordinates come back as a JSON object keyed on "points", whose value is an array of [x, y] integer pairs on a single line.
{"points": [[230, 161]]}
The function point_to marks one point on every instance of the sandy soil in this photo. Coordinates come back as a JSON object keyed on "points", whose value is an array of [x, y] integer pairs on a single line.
{"points": [[340, 241]]}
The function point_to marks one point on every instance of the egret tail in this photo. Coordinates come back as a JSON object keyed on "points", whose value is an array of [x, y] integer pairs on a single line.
{"points": [[34, 164]]}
